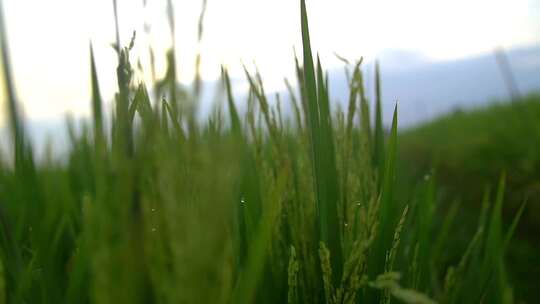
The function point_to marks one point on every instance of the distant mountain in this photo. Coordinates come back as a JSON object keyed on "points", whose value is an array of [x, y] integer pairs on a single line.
{"points": [[425, 89], [401, 60]]}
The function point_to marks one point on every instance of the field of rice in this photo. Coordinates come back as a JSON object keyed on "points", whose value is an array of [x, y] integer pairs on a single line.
{"points": [[255, 206]]}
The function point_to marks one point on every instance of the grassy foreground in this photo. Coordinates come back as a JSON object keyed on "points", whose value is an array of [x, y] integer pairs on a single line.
{"points": [[247, 207]]}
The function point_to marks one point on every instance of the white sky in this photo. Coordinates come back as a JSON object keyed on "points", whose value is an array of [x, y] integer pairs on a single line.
{"points": [[49, 39]]}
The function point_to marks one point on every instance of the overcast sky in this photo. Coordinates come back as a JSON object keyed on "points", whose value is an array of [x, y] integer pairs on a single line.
{"points": [[49, 39]]}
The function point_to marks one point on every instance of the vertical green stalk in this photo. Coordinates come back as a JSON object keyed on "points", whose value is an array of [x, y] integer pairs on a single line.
{"points": [[116, 25], [296, 108], [124, 135], [378, 153], [171, 78], [387, 209], [353, 91], [123, 72], [323, 156], [12, 106], [96, 98], [235, 119], [198, 81], [302, 85]]}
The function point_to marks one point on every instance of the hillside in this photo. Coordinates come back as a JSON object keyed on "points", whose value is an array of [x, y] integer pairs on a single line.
{"points": [[469, 151]]}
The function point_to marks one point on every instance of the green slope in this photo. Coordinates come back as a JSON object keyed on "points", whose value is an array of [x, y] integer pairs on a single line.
{"points": [[469, 151]]}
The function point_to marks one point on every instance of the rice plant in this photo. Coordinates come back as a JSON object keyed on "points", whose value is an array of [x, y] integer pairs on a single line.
{"points": [[262, 207]]}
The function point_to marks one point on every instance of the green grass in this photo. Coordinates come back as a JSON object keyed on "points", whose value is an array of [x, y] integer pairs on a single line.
{"points": [[247, 207], [469, 150]]}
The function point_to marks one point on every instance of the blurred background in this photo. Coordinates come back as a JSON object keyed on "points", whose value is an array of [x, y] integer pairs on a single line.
{"points": [[436, 56]]}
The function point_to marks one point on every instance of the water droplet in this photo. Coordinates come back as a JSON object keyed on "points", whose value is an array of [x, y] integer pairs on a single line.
{"points": [[153, 210], [346, 225]]}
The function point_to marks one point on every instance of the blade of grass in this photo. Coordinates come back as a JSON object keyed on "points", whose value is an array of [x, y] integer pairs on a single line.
{"points": [[116, 27], [387, 208], [198, 81], [378, 153], [513, 226], [296, 108], [235, 119], [329, 230], [96, 98], [15, 120], [329, 177]]}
